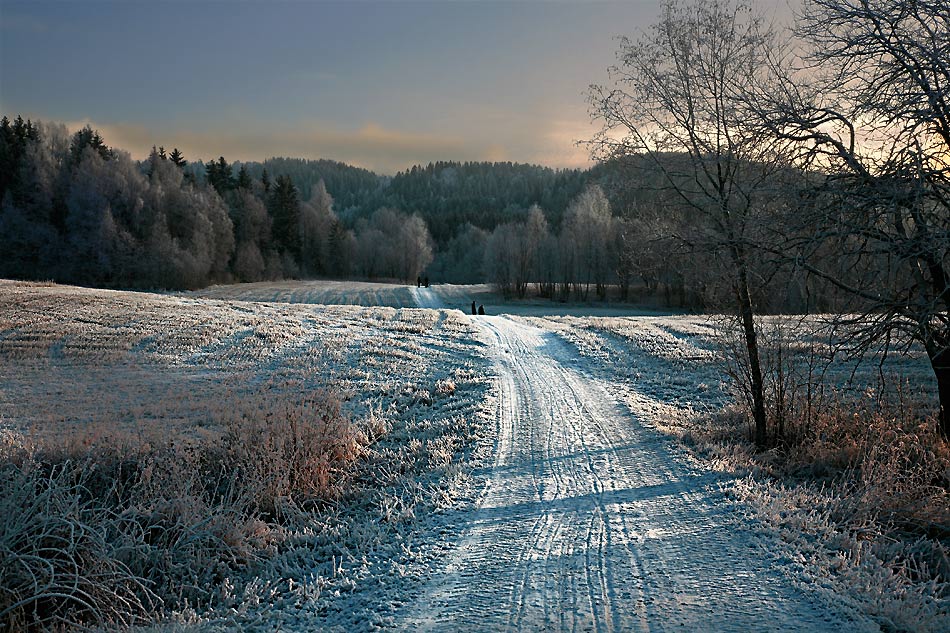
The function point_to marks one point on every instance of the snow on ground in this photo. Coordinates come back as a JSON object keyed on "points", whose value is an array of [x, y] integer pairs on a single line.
{"points": [[579, 514], [426, 298], [664, 370], [590, 520], [674, 360], [328, 292], [448, 296], [460, 297], [77, 360]]}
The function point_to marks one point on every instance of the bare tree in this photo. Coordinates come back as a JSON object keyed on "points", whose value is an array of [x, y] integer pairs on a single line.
{"points": [[676, 99], [415, 247], [869, 112], [589, 225], [316, 220], [392, 244], [535, 234], [251, 235], [502, 258], [370, 261]]}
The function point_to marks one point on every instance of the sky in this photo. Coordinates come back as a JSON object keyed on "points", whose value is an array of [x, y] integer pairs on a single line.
{"points": [[382, 85]]}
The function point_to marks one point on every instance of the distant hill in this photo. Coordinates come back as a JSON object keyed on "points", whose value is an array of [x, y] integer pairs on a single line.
{"points": [[446, 194]]}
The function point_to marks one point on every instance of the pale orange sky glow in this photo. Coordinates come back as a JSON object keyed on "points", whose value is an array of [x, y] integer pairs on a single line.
{"points": [[383, 85]]}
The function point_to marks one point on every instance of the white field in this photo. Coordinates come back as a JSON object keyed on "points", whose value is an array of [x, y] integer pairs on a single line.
{"points": [[329, 292], [448, 296], [83, 365], [74, 358], [541, 494]]}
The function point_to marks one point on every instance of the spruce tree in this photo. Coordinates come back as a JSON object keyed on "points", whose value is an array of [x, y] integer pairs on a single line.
{"points": [[153, 158], [86, 137], [178, 158], [244, 179], [218, 174], [225, 175], [285, 211], [211, 174], [8, 157]]}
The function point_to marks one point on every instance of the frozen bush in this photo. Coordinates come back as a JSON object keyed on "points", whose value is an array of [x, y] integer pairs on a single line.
{"points": [[109, 533]]}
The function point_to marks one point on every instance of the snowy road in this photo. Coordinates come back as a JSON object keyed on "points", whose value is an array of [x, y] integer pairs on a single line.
{"points": [[589, 522], [425, 298]]}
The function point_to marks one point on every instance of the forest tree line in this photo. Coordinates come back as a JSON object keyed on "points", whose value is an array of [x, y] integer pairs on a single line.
{"points": [[76, 210], [817, 152]]}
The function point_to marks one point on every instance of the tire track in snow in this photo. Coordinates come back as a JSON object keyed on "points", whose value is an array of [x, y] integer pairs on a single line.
{"points": [[590, 523]]}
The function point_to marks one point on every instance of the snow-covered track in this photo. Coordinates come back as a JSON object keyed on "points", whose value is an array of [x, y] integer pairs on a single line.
{"points": [[590, 522]]}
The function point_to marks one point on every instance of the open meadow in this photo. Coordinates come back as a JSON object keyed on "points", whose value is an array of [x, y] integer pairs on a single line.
{"points": [[106, 376], [495, 315], [259, 459]]}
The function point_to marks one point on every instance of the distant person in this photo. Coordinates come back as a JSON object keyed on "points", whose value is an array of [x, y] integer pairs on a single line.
{"points": [[474, 311], [426, 281], [418, 282], [481, 310]]}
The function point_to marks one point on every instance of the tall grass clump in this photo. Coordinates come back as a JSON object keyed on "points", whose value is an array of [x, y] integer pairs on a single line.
{"points": [[861, 472], [61, 563], [109, 531]]}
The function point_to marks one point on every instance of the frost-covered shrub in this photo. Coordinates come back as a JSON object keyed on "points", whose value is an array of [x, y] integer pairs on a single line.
{"points": [[294, 450], [863, 493], [106, 529], [61, 564]]}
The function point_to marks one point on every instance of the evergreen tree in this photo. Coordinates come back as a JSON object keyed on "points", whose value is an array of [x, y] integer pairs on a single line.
{"points": [[285, 210], [87, 137], [178, 158], [211, 174], [153, 158], [19, 129], [225, 174], [8, 156], [244, 179], [218, 174], [265, 180]]}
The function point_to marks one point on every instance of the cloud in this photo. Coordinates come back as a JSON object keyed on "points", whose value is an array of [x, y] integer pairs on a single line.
{"points": [[562, 144], [372, 145]]}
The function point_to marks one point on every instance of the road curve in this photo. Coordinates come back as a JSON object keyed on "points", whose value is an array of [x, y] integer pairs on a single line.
{"points": [[590, 523]]}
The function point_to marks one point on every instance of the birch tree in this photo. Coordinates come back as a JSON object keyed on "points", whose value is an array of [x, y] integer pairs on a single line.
{"points": [[675, 98]]}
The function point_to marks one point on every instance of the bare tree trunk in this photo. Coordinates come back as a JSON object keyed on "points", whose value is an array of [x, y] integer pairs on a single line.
{"points": [[747, 314], [940, 362]]}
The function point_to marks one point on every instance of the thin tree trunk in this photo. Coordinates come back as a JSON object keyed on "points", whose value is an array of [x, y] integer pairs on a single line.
{"points": [[752, 347], [940, 362]]}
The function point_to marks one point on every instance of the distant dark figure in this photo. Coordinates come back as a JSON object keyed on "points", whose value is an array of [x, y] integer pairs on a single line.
{"points": [[481, 309], [474, 311], [426, 281], [418, 281]]}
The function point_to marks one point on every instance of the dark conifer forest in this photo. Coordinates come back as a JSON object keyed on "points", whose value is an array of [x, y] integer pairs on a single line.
{"points": [[77, 210]]}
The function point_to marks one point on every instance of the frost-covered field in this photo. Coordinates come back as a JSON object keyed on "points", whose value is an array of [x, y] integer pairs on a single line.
{"points": [[449, 296], [326, 292], [82, 364], [521, 472], [872, 541], [677, 359]]}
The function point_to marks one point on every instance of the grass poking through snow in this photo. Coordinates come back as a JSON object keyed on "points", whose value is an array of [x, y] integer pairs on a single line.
{"points": [[217, 465]]}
